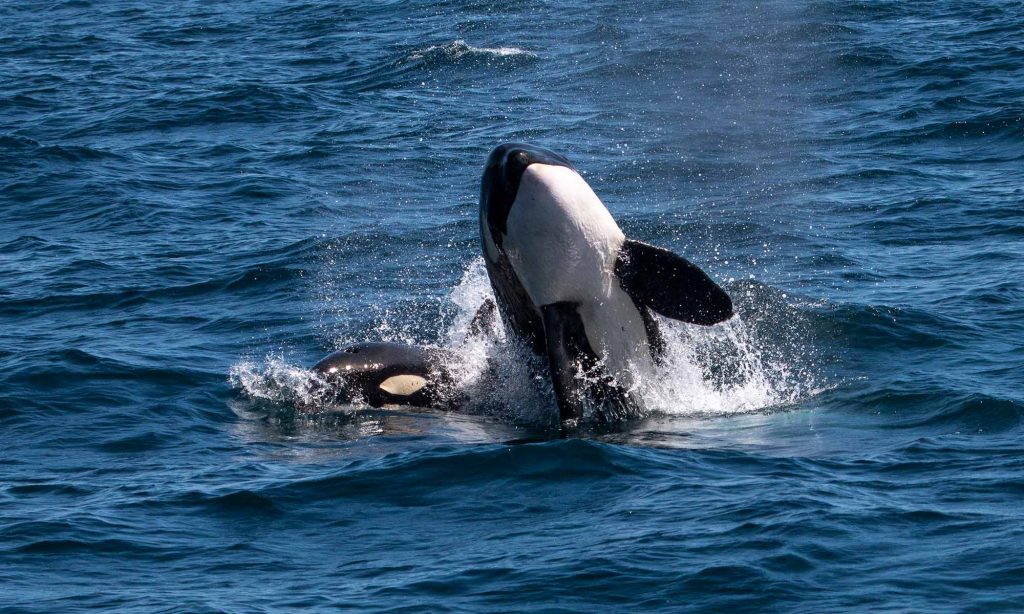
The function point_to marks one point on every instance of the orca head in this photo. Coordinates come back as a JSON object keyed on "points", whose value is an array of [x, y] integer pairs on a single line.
{"points": [[385, 374], [500, 184]]}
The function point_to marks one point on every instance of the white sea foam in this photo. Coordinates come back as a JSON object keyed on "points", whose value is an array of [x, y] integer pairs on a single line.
{"points": [[495, 373], [718, 370], [274, 380], [459, 48]]}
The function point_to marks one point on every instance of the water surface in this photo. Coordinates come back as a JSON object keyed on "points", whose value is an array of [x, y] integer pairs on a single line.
{"points": [[198, 200]]}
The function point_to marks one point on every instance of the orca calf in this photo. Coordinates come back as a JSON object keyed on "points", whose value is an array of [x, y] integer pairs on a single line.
{"points": [[573, 287], [388, 374]]}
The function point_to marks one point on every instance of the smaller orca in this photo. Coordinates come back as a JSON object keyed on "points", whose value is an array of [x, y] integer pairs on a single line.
{"points": [[388, 374]]}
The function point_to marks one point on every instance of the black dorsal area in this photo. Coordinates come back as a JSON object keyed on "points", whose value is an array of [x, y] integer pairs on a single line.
{"points": [[501, 178], [379, 360]]}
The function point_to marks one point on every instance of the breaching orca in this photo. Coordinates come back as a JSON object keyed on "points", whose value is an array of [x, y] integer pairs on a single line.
{"points": [[387, 374], [572, 286]]}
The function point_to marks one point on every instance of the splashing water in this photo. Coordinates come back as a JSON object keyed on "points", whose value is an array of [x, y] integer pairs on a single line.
{"points": [[277, 381], [497, 373], [726, 369], [718, 370]]}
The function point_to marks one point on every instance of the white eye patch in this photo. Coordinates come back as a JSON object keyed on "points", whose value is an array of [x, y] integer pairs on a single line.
{"points": [[403, 385]]}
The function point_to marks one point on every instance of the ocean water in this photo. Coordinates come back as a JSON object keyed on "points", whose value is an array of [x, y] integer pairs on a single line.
{"points": [[198, 200]]}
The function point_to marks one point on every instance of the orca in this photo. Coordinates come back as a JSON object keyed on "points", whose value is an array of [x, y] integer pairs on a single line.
{"points": [[570, 285], [383, 374]]}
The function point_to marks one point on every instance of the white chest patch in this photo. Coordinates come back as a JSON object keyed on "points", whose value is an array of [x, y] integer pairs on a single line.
{"points": [[563, 244], [560, 238], [403, 385]]}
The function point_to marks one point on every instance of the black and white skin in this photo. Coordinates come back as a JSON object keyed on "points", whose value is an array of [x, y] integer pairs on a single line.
{"points": [[388, 374], [570, 285]]}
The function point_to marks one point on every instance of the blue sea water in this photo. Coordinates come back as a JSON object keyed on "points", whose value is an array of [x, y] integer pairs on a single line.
{"points": [[200, 199]]}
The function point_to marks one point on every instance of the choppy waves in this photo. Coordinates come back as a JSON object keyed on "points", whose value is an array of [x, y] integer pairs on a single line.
{"points": [[197, 193]]}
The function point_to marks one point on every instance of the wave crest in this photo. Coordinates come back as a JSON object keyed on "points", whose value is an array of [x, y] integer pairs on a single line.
{"points": [[460, 49]]}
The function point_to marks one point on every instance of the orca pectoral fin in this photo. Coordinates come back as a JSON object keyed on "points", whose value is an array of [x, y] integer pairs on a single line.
{"points": [[671, 285], [567, 346], [577, 375]]}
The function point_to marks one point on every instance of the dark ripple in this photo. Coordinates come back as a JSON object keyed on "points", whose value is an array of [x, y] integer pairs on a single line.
{"points": [[61, 489], [975, 413], [75, 546], [135, 444], [130, 298], [281, 265], [53, 369], [244, 103], [409, 479], [17, 147], [242, 502]]}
